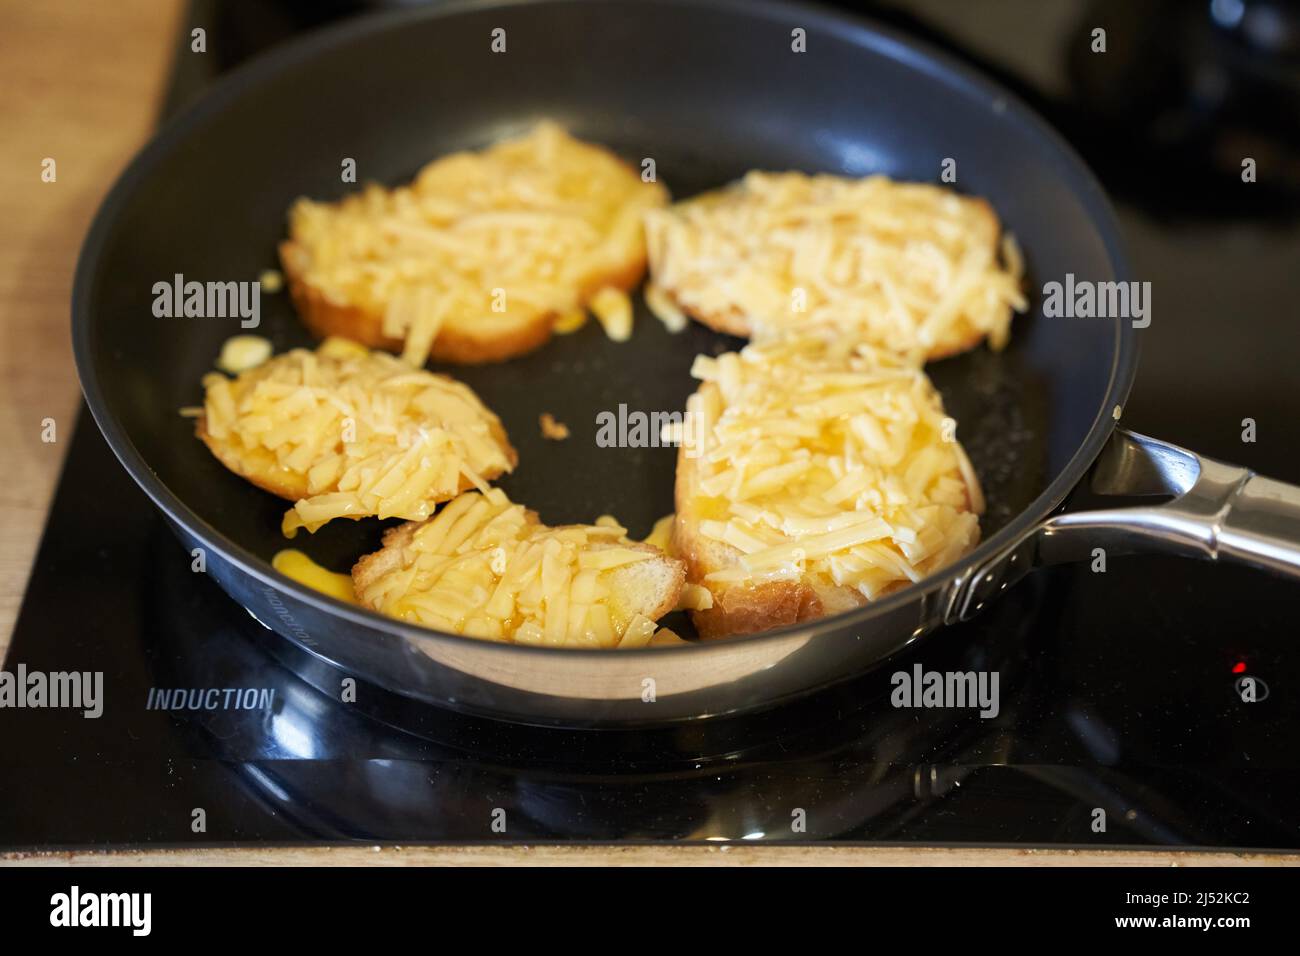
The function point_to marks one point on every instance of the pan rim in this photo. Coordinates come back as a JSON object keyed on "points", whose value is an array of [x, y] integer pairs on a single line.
{"points": [[861, 32]]}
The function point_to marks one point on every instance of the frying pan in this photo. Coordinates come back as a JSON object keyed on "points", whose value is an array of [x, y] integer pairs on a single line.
{"points": [[708, 89]]}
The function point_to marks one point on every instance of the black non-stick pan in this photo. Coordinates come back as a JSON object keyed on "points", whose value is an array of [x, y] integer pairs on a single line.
{"points": [[708, 89]]}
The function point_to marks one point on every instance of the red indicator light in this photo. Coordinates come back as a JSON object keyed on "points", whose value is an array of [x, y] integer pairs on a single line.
{"points": [[1239, 667]]}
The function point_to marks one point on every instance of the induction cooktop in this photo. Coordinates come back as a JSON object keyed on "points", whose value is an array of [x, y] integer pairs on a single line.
{"points": [[1119, 701], [1154, 704]]}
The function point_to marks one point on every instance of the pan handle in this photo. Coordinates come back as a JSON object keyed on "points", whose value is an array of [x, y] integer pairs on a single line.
{"points": [[1214, 511]]}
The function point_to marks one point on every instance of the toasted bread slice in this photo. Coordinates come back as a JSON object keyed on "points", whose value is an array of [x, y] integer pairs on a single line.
{"points": [[817, 476], [348, 433], [909, 267], [488, 568], [477, 258]]}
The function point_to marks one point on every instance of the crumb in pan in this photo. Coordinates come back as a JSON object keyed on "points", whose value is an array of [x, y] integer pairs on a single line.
{"points": [[552, 430], [239, 353]]}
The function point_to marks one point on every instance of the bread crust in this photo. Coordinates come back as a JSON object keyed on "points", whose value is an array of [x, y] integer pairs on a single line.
{"points": [[734, 323], [735, 610], [457, 346], [292, 486], [387, 558], [671, 594]]}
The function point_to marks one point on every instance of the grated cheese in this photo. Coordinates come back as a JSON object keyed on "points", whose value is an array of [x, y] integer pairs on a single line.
{"points": [[353, 433], [485, 567], [613, 309], [486, 239], [906, 266], [865, 494], [662, 307]]}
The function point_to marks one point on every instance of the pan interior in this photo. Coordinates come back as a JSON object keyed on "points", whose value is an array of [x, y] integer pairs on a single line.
{"points": [[707, 92]]}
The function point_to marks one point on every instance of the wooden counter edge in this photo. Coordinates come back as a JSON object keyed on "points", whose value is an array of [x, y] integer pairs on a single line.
{"points": [[613, 855]]}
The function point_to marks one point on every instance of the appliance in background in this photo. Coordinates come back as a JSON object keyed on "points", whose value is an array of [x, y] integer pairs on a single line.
{"points": [[1181, 92]]}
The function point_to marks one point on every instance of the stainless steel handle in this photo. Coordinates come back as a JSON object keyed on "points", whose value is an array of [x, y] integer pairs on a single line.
{"points": [[1218, 511], [1214, 511]]}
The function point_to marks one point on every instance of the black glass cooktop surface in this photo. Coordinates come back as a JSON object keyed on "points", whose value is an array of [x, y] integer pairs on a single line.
{"points": [[1120, 721], [1118, 696]]}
